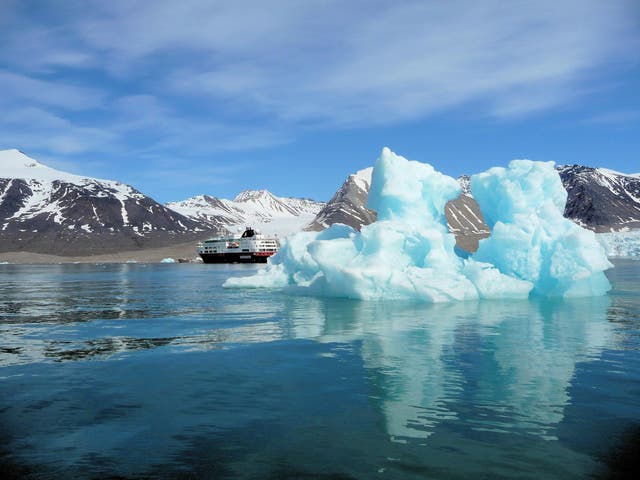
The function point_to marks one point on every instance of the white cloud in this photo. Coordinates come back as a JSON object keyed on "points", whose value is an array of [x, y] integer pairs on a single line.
{"points": [[33, 128], [216, 76], [407, 60], [17, 87]]}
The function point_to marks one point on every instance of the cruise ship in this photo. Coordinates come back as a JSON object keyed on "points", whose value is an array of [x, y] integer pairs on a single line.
{"points": [[251, 247]]}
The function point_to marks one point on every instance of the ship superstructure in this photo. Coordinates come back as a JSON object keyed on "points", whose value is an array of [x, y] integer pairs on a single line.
{"points": [[250, 247]]}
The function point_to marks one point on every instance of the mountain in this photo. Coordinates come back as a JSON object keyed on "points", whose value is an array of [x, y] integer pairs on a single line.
{"points": [[215, 212], [348, 204], [45, 210], [598, 199], [465, 219], [601, 199], [256, 208]]}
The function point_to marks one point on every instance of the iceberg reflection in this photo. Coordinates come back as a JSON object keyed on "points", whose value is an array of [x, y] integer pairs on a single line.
{"points": [[514, 360]]}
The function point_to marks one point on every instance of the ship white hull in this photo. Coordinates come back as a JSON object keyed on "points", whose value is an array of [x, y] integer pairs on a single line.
{"points": [[251, 247]]}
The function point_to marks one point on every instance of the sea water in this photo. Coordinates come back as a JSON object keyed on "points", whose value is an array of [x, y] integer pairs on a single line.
{"points": [[155, 371]]}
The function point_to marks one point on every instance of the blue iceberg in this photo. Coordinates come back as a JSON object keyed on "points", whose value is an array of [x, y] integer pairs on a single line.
{"points": [[409, 254], [530, 238]]}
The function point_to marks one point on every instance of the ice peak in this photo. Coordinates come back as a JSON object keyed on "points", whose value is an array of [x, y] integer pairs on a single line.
{"points": [[15, 164], [608, 171], [248, 195], [14, 158], [362, 178]]}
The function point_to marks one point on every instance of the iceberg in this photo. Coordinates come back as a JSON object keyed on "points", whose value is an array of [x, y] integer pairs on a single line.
{"points": [[531, 240], [409, 254]]}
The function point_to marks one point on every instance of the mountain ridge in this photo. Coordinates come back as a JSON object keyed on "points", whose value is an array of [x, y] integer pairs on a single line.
{"points": [[256, 208], [599, 199], [348, 204], [49, 211]]}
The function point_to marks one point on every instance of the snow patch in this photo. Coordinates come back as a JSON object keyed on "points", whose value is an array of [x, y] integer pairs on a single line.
{"points": [[608, 171], [257, 208], [621, 244], [362, 178], [16, 164]]}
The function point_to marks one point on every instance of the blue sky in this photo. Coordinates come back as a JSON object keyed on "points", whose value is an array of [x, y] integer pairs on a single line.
{"points": [[186, 97]]}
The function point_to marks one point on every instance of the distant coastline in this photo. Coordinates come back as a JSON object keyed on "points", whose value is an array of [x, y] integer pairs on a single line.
{"points": [[148, 255]]}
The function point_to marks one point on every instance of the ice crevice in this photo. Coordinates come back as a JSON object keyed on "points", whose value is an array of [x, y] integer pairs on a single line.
{"points": [[409, 253]]}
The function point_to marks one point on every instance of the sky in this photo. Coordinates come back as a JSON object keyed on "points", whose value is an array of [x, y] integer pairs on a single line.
{"points": [[180, 98]]}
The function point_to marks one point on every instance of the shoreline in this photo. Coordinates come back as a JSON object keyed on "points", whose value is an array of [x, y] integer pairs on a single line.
{"points": [[188, 251], [151, 255]]}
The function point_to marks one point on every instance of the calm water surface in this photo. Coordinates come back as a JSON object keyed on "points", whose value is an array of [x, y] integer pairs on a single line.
{"points": [[155, 371]]}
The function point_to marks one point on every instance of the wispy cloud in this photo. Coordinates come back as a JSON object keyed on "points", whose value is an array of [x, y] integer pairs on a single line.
{"points": [[195, 77], [33, 128], [408, 60], [361, 62], [57, 93]]}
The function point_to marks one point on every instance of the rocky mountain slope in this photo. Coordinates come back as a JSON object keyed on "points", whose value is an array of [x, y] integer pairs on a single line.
{"points": [[49, 211], [257, 208], [347, 205], [52, 212], [465, 219], [598, 199]]}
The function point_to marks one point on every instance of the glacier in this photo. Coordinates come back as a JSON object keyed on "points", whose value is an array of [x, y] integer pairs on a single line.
{"points": [[409, 254], [621, 244]]}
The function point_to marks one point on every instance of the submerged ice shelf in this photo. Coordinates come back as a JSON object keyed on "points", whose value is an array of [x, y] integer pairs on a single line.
{"points": [[410, 254]]}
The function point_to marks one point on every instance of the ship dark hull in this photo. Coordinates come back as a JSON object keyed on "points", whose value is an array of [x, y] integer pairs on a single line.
{"points": [[235, 257]]}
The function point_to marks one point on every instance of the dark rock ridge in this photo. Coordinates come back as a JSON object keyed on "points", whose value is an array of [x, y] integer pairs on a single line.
{"points": [[598, 199], [601, 200], [347, 205], [76, 216]]}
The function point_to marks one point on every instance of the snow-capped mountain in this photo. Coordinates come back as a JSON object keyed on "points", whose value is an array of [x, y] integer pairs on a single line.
{"points": [[348, 204], [598, 199], [49, 211], [601, 199], [215, 212], [257, 208]]}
